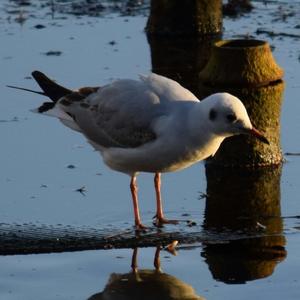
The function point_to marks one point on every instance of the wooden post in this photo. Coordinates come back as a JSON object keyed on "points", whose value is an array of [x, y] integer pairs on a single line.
{"points": [[185, 17]]}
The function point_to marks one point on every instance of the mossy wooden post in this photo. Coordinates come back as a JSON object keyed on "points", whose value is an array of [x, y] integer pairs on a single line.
{"points": [[241, 195], [244, 202], [247, 69], [185, 17]]}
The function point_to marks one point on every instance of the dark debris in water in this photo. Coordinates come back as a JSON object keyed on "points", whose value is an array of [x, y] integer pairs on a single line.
{"points": [[14, 119], [272, 33], [191, 223], [234, 8], [283, 13], [53, 53], [22, 2], [292, 217], [292, 153], [202, 196], [82, 190], [39, 26], [282, 21], [91, 8], [112, 43], [71, 166], [86, 7]]}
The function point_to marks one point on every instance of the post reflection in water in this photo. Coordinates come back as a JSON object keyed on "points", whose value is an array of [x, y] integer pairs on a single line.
{"points": [[181, 58], [146, 284], [244, 202]]}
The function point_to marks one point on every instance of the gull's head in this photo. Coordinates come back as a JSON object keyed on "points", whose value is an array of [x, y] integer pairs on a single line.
{"points": [[228, 116]]}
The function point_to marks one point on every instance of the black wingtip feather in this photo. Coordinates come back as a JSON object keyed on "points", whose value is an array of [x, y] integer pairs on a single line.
{"points": [[53, 90], [45, 107]]}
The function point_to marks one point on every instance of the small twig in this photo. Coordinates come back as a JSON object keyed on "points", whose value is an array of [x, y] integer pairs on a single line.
{"points": [[273, 34], [202, 196], [292, 153], [81, 190]]}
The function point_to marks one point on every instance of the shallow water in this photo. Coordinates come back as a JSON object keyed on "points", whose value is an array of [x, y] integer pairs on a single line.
{"points": [[39, 187]]}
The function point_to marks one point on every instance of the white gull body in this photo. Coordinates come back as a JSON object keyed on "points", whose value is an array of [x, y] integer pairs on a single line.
{"points": [[148, 125], [153, 125]]}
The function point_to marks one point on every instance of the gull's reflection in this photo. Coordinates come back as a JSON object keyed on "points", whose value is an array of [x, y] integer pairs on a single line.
{"points": [[146, 284], [244, 203]]}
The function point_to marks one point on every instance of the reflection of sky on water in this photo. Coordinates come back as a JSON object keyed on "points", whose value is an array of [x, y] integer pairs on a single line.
{"points": [[52, 276], [31, 137], [44, 148]]}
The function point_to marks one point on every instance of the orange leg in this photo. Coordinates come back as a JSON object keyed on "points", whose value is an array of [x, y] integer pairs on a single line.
{"points": [[134, 266], [160, 219], [137, 219]]}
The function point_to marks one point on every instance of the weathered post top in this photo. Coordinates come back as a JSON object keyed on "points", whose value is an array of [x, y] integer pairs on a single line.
{"points": [[241, 63]]}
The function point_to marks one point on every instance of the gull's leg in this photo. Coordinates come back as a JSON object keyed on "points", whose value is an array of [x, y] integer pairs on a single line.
{"points": [[157, 260], [160, 219], [134, 266], [137, 219]]}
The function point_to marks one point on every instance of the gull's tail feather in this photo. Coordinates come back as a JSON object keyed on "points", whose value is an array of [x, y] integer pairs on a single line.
{"points": [[51, 89]]}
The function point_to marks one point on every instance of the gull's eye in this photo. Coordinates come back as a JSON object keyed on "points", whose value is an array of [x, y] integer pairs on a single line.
{"points": [[212, 114], [231, 118]]}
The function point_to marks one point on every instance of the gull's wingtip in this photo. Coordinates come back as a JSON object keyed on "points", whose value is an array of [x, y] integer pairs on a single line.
{"points": [[53, 90], [35, 72]]}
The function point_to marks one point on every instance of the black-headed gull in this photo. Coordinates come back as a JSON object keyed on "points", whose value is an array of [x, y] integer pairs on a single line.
{"points": [[148, 125]]}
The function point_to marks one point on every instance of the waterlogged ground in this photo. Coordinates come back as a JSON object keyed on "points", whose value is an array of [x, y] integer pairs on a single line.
{"points": [[249, 228]]}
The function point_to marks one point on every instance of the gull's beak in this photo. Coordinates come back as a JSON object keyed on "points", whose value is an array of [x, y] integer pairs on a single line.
{"points": [[254, 132]]}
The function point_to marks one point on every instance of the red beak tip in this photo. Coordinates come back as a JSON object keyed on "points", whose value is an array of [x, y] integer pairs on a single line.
{"points": [[259, 136]]}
